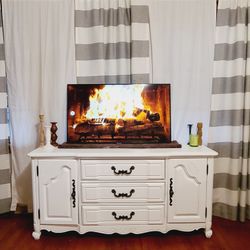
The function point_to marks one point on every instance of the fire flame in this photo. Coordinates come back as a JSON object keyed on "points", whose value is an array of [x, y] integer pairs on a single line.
{"points": [[116, 102]]}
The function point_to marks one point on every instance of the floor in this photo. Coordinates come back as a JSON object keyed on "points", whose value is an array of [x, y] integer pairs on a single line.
{"points": [[15, 233]]}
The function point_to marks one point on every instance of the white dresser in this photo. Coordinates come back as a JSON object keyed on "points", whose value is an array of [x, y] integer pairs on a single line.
{"points": [[122, 190]]}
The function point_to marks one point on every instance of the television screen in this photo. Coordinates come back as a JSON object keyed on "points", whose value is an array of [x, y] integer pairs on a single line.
{"points": [[118, 113]]}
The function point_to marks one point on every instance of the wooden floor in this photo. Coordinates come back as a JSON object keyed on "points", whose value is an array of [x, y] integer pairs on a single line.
{"points": [[15, 233]]}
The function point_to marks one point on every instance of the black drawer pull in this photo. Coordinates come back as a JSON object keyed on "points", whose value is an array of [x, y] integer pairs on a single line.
{"points": [[123, 217], [171, 192], [122, 172], [126, 195], [73, 194]]}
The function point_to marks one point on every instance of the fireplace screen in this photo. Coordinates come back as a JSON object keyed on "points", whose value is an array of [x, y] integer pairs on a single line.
{"points": [[124, 113]]}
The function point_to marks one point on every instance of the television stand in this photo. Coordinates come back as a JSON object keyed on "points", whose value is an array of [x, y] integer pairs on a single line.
{"points": [[122, 190]]}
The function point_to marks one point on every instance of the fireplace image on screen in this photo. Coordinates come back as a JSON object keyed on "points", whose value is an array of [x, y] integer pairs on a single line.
{"points": [[118, 113]]}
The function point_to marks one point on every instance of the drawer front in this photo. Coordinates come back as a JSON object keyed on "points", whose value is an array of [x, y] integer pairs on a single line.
{"points": [[122, 192], [122, 169], [108, 215]]}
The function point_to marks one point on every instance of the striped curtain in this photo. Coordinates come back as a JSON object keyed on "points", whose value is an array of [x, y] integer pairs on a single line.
{"points": [[112, 41], [5, 193], [230, 110]]}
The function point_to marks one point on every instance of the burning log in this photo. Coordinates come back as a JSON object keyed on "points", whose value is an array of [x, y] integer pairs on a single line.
{"points": [[107, 128], [89, 129], [153, 117], [147, 128]]}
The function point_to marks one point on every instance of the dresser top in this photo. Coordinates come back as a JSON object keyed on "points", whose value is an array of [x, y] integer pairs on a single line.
{"points": [[185, 151]]}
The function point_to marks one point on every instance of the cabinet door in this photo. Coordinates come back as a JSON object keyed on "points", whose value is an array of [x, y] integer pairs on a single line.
{"points": [[186, 190], [58, 191]]}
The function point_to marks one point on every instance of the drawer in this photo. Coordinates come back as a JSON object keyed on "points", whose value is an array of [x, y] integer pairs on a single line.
{"points": [[122, 192], [108, 215], [122, 169]]}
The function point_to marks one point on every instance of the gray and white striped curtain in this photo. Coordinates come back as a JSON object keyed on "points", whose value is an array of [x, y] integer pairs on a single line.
{"points": [[5, 193], [230, 110], [112, 41]]}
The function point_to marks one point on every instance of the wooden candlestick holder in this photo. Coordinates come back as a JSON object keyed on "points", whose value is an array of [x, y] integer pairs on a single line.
{"points": [[53, 130], [41, 131], [199, 132]]}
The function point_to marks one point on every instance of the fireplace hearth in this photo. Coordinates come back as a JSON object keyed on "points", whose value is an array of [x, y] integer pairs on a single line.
{"points": [[119, 115]]}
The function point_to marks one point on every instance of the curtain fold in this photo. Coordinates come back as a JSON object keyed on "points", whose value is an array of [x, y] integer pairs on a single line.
{"points": [[40, 62], [112, 41], [229, 132], [5, 187]]}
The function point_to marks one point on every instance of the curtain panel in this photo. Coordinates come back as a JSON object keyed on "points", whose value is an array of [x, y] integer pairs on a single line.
{"points": [[112, 41], [40, 62], [5, 190], [229, 132]]}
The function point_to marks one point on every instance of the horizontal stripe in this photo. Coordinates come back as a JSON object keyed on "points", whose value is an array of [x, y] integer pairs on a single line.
{"points": [[223, 85], [227, 165], [97, 34], [225, 51], [231, 101], [112, 50], [226, 133], [112, 34], [140, 32], [5, 191], [226, 196], [2, 56], [230, 149], [3, 100], [226, 34], [3, 116], [4, 176], [4, 147], [244, 213], [4, 161], [3, 84], [111, 17], [234, 101], [4, 131], [232, 182], [231, 17], [1, 35], [104, 17], [139, 14], [112, 67], [229, 118], [140, 78], [232, 4], [236, 67], [5, 205], [97, 4], [231, 212], [2, 69]]}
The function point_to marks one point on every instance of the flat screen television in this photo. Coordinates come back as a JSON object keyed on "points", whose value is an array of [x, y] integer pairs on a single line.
{"points": [[118, 114]]}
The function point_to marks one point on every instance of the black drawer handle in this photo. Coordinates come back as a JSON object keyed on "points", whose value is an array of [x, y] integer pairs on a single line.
{"points": [[123, 217], [121, 172], [73, 194], [171, 192], [126, 195]]}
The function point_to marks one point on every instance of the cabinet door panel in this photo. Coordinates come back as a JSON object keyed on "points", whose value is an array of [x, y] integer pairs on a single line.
{"points": [[187, 189], [56, 178]]}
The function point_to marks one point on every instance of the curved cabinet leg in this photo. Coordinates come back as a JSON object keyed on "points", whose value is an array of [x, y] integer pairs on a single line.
{"points": [[36, 235], [208, 233]]}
